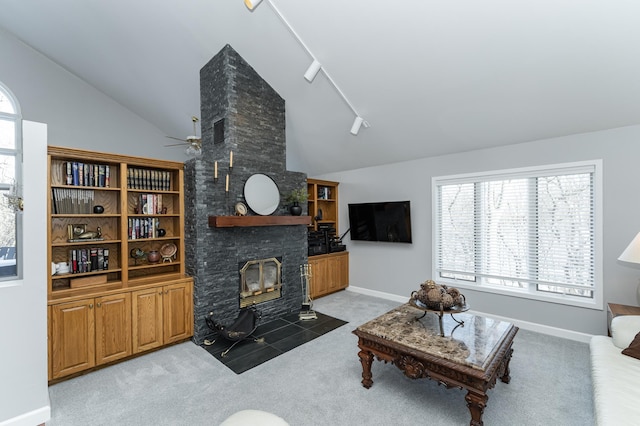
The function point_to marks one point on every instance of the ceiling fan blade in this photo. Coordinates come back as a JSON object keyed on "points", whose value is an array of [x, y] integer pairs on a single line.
{"points": [[178, 139]]}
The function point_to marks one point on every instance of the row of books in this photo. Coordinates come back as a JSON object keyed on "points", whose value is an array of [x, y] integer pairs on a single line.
{"points": [[72, 201], [87, 174], [324, 193], [146, 227], [150, 204], [88, 260], [149, 179]]}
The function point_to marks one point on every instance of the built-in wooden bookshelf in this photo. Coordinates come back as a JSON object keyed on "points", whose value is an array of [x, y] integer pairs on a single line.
{"points": [[322, 202], [107, 214], [330, 271]]}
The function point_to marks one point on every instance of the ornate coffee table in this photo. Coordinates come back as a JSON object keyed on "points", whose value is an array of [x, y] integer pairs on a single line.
{"points": [[472, 357]]}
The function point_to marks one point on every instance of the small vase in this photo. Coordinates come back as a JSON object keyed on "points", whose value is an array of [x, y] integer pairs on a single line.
{"points": [[295, 209], [153, 256]]}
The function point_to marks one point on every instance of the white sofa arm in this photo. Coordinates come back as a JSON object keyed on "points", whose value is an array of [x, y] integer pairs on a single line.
{"points": [[623, 329]]}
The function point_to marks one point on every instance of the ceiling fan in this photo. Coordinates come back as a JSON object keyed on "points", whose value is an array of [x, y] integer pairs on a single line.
{"points": [[194, 142]]}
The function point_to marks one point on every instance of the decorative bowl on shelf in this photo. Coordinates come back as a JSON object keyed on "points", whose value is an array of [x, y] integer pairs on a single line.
{"points": [[168, 251]]}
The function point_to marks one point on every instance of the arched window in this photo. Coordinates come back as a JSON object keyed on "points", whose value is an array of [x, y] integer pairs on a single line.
{"points": [[10, 186]]}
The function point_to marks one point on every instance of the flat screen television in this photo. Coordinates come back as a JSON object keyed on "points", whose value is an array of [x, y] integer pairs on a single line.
{"points": [[388, 221]]}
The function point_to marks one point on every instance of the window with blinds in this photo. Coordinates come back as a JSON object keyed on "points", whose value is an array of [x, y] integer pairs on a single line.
{"points": [[532, 232]]}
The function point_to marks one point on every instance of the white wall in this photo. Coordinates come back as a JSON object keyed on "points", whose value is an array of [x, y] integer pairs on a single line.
{"points": [[77, 115], [24, 398], [398, 269]]}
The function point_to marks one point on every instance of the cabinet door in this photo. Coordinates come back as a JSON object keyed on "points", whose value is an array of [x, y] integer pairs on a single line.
{"points": [[178, 308], [73, 337], [113, 327], [147, 319], [333, 274], [342, 268], [319, 277], [49, 344]]}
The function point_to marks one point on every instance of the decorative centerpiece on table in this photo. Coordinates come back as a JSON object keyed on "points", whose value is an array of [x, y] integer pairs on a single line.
{"points": [[296, 197], [439, 299], [438, 296]]}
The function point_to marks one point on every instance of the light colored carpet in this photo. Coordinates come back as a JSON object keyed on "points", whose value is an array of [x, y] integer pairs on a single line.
{"points": [[318, 383]]}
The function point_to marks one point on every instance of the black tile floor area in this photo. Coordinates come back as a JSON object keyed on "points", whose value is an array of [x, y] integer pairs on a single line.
{"points": [[275, 338]]}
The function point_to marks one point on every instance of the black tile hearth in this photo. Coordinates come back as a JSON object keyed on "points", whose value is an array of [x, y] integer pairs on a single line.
{"points": [[274, 338]]}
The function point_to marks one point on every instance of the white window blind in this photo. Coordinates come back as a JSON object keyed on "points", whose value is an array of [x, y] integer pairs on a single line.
{"points": [[530, 230]]}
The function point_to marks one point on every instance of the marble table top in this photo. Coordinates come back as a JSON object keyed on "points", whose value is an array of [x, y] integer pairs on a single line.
{"points": [[472, 344]]}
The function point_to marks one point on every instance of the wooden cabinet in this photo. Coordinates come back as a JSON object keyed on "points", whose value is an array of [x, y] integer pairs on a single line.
{"points": [[329, 273], [89, 332], [107, 214], [162, 315], [177, 312], [322, 202], [338, 272], [319, 275], [73, 337], [147, 319], [113, 327]]}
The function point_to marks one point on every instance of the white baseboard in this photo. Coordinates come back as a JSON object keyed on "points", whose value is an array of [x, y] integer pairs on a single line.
{"points": [[525, 325], [35, 417]]}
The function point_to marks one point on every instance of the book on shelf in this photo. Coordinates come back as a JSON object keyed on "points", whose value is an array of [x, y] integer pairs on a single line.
{"points": [[69, 173], [86, 174], [72, 201], [150, 204], [88, 260], [93, 258], [146, 227], [148, 179], [105, 259]]}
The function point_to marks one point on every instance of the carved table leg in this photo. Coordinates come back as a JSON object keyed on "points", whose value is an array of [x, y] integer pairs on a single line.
{"points": [[476, 403], [366, 358], [506, 377]]}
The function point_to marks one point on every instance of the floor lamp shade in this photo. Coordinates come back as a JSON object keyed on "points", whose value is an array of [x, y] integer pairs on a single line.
{"points": [[252, 4], [632, 255]]}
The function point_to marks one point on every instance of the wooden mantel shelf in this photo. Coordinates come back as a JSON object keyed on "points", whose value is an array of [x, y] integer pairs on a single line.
{"points": [[239, 221]]}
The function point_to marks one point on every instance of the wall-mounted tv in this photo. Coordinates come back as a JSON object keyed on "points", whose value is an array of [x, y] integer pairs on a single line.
{"points": [[385, 221]]}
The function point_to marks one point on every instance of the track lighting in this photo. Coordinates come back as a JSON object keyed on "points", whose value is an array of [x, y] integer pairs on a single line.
{"points": [[315, 66], [357, 123], [312, 71], [252, 4]]}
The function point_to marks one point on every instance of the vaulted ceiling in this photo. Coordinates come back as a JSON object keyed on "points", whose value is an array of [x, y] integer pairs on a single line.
{"points": [[430, 77]]}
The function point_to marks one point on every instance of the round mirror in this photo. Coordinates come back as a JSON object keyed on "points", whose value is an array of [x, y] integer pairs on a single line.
{"points": [[262, 194]]}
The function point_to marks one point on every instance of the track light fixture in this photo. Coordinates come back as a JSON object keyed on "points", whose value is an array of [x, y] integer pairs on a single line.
{"points": [[252, 4], [315, 66], [312, 71], [357, 123]]}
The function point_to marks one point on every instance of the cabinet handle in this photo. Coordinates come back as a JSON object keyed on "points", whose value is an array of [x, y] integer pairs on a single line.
{"points": [[99, 305], [166, 292], [90, 305]]}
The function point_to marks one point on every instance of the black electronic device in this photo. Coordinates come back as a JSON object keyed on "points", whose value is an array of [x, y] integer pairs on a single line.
{"points": [[383, 221], [317, 243]]}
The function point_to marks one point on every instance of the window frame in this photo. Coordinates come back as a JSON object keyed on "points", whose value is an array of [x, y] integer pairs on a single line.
{"points": [[18, 152], [529, 292]]}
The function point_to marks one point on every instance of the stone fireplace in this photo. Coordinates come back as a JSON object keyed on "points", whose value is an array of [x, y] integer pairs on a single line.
{"points": [[239, 265]]}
